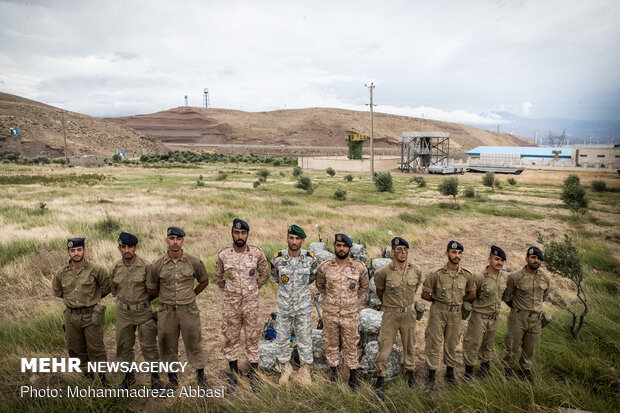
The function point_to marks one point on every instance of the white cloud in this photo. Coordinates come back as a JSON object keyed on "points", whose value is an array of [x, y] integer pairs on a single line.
{"points": [[525, 108]]}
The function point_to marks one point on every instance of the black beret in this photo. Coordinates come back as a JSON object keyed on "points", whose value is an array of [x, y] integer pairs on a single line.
{"points": [[535, 251], [296, 230], [497, 251], [454, 245], [75, 242], [343, 238], [175, 231], [128, 239], [396, 241], [240, 224]]}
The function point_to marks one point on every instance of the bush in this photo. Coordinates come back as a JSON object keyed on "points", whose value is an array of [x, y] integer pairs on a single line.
{"points": [[297, 171], [489, 179], [498, 184], [348, 178], [599, 186], [288, 202], [340, 194], [276, 162], [108, 225], [305, 182], [449, 187], [574, 195], [42, 209], [330, 171], [384, 182], [256, 184], [469, 191], [262, 174], [511, 181], [419, 180], [221, 175]]}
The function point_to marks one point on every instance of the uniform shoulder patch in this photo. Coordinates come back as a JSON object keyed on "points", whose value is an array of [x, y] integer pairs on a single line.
{"points": [[277, 254], [310, 254]]}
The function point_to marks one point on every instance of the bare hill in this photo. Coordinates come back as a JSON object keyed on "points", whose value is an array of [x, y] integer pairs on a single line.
{"points": [[41, 129]]}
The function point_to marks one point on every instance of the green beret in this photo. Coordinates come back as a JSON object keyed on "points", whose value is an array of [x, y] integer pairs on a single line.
{"points": [[295, 230]]}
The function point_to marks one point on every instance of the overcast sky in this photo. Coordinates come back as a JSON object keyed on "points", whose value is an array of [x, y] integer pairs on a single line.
{"points": [[445, 60]]}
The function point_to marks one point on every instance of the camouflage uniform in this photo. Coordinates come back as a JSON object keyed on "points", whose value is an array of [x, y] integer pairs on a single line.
{"points": [[81, 290], [133, 311], [342, 286], [444, 322], [240, 276], [527, 293], [179, 313], [399, 289], [484, 320]]}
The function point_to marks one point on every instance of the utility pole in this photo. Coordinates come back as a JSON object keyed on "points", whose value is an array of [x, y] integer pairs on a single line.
{"points": [[64, 132], [372, 135]]}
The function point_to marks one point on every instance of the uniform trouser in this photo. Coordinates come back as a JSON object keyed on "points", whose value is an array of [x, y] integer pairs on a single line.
{"points": [[241, 313], [127, 322], [302, 324], [521, 331], [479, 339], [84, 339], [391, 323], [442, 330], [339, 329], [187, 322]]}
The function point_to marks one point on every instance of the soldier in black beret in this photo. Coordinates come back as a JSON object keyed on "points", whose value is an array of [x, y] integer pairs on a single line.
{"points": [[343, 238]]}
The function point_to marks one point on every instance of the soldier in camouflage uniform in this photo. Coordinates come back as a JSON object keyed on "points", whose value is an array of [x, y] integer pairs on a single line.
{"points": [[343, 281], [240, 272], [484, 320], [133, 311], [172, 280], [526, 290], [294, 270], [82, 284], [446, 288]]}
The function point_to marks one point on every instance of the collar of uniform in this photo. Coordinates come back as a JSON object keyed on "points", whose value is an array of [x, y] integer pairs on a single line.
{"points": [[84, 266], [459, 270], [394, 267], [526, 272], [247, 249], [348, 264], [183, 257]]}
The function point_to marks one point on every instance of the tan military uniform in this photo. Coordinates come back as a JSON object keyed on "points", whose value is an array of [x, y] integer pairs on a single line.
{"points": [[240, 276], [342, 286], [399, 289], [133, 311], [179, 312], [444, 322], [527, 293], [484, 320], [81, 290]]}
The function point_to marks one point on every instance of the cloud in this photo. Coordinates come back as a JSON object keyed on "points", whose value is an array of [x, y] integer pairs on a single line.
{"points": [[525, 108]]}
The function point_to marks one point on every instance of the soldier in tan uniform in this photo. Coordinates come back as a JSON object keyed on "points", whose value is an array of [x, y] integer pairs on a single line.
{"points": [[397, 284], [525, 292], [343, 281], [446, 288], [483, 323], [82, 284], [240, 272], [133, 311], [172, 280]]}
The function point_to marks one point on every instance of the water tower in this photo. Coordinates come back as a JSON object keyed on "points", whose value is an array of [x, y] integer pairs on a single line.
{"points": [[206, 98]]}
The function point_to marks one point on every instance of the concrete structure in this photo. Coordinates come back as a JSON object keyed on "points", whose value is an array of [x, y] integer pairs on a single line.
{"points": [[343, 164], [603, 155]]}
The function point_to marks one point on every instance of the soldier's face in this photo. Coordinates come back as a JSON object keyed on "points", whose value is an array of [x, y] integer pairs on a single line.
{"points": [[454, 256], [400, 254], [175, 243], [294, 242], [497, 263], [533, 262], [240, 237], [76, 254], [127, 251], [341, 250]]}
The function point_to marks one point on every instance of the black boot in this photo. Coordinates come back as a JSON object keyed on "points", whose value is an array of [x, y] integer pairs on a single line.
{"points": [[333, 373], [104, 380], [232, 376], [484, 369], [173, 381], [450, 375], [525, 375], [128, 380], [253, 376], [380, 387], [202, 380], [156, 382], [430, 380], [411, 379], [469, 371], [508, 372], [353, 382]]}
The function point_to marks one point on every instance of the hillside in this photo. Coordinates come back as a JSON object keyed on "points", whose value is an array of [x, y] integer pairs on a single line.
{"points": [[41, 129]]}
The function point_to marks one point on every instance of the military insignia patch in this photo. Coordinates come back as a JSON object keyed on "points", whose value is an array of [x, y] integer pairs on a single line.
{"points": [[284, 278], [330, 285], [352, 286], [70, 244], [305, 278], [275, 255], [238, 225], [396, 241], [454, 245], [228, 275], [531, 251], [252, 272], [169, 231], [339, 238]]}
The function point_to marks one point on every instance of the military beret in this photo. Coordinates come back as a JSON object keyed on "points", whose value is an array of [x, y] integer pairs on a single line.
{"points": [[497, 251], [454, 245], [396, 241], [295, 230], [75, 242], [175, 231], [240, 224], [343, 238], [535, 251], [128, 239]]}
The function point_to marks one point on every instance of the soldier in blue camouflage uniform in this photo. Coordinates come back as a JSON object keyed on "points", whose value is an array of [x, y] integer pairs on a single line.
{"points": [[294, 269]]}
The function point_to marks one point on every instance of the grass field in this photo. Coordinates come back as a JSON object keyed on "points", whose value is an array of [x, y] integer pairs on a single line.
{"points": [[42, 206]]}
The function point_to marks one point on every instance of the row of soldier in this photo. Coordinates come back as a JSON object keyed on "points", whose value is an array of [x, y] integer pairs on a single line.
{"points": [[240, 271]]}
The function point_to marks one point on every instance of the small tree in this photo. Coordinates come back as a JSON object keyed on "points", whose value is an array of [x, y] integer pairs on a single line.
{"points": [[305, 182], [449, 187], [330, 171], [297, 171], [384, 182], [511, 181], [348, 177], [574, 195], [340, 194], [262, 174], [497, 184], [599, 186], [469, 191], [562, 258], [489, 179]]}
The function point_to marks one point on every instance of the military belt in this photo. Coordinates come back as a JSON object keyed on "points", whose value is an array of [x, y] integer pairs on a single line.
{"points": [[529, 313], [447, 307], [82, 310], [399, 309], [489, 317], [133, 307], [181, 307]]}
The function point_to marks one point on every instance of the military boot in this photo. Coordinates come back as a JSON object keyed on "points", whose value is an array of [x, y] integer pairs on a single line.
{"points": [[469, 371], [353, 381], [450, 375], [232, 376], [525, 375], [508, 372], [156, 382], [411, 379], [305, 379], [484, 369], [333, 374], [253, 376], [380, 387], [103, 379], [430, 380], [285, 375], [128, 380], [173, 381], [202, 380]]}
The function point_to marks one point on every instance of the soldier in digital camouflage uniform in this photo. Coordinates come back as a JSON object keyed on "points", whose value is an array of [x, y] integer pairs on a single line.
{"points": [[172, 280], [484, 320], [343, 281], [133, 311], [397, 284], [526, 290], [240, 271], [294, 270], [447, 288], [82, 284]]}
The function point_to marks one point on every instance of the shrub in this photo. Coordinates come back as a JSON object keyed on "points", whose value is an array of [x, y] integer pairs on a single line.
{"points": [[511, 181], [489, 179], [340, 194], [221, 175], [107, 225], [330, 171], [276, 162], [348, 177], [262, 174], [469, 191], [384, 182], [305, 182], [256, 184], [42, 209], [599, 186], [288, 202], [574, 195], [419, 180], [449, 187], [498, 184], [297, 171]]}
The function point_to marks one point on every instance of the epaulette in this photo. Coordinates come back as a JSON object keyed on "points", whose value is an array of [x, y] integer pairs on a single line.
{"points": [[277, 254], [309, 254]]}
